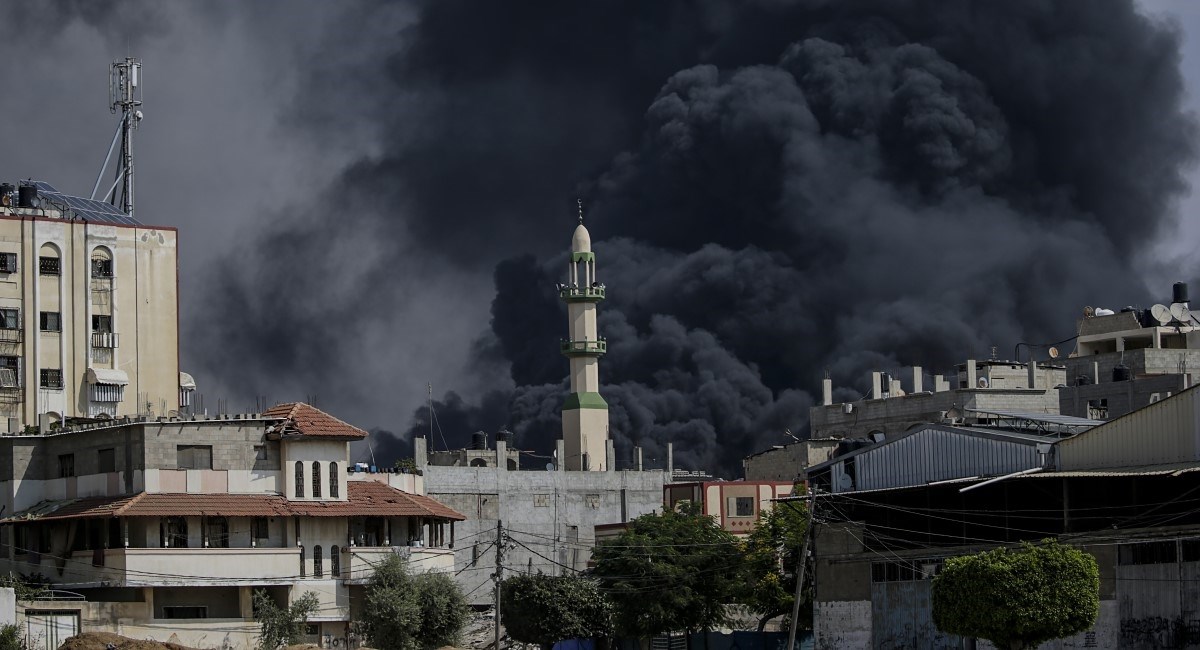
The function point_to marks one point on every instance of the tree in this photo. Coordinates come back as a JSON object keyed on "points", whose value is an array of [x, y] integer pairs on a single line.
{"points": [[772, 551], [444, 610], [281, 626], [405, 612], [674, 571], [546, 609], [1018, 598]]}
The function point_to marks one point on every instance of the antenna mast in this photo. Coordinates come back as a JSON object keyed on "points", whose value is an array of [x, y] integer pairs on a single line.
{"points": [[125, 95]]}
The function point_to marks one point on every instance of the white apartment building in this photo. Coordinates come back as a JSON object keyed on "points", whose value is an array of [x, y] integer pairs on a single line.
{"points": [[89, 313]]}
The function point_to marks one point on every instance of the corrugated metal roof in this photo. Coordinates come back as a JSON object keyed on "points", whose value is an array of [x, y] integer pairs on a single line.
{"points": [[1166, 469], [1167, 431], [987, 432]]}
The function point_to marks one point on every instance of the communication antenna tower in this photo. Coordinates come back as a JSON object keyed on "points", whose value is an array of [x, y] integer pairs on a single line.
{"points": [[125, 96]]}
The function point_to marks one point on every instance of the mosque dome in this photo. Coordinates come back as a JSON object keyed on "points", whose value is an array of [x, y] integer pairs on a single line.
{"points": [[581, 241]]}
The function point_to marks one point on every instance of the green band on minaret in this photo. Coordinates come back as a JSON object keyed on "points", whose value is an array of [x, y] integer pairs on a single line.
{"points": [[584, 401]]}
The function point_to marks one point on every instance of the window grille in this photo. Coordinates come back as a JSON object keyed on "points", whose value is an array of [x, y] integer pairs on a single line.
{"points": [[51, 378], [49, 266], [333, 480], [316, 479]]}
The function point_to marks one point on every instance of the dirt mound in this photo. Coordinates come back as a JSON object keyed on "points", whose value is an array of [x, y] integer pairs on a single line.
{"points": [[102, 641]]}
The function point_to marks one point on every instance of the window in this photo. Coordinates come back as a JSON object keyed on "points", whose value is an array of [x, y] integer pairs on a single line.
{"points": [[66, 465], [10, 319], [333, 481], [218, 532], [335, 562], [49, 266], [740, 507], [175, 532], [193, 456], [50, 378], [1146, 553], [318, 562], [106, 460], [102, 323], [51, 321], [8, 262], [185, 611], [299, 479], [316, 469], [102, 268], [302, 573], [10, 371], [260, 529]]}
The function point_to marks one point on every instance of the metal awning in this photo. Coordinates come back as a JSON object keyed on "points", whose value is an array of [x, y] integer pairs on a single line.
{"points": [[186, 381], [107, 376], [1048, 422]]}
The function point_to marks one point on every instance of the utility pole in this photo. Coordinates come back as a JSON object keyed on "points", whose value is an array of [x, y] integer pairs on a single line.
{"points": [[801, 565], [498, 576]]}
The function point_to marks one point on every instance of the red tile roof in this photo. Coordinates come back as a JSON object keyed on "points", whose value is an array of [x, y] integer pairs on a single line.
{"points": [[364, 499], [304, 420]]}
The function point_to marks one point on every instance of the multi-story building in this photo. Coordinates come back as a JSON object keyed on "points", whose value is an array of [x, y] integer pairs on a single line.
{"points": [[734, 505], [167, 526], [89, 314]]}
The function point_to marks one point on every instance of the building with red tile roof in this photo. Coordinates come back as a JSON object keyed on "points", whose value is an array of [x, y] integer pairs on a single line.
{"points": [[174, 521]]}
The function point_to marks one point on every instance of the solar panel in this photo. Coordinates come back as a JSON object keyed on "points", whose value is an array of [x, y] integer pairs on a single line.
{"points": [[86, 209]]}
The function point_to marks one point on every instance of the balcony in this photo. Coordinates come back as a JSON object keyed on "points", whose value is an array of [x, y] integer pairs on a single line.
{"points": [[582, 294], [11, 335], [105, 340], [359, 562], [146, 567], [583, 348]]}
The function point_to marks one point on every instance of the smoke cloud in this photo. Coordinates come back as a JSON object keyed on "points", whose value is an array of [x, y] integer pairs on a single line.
{"points": [[375, 199]]}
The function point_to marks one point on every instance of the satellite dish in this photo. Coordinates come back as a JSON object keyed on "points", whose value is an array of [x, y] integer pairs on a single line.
{"points": [[846, 483], [1053, 352], [983, 382], [549, 467], [1161, 314], [1180, 312]]}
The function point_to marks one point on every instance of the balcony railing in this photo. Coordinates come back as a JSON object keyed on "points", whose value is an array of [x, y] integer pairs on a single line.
{"points": [[359, 562], [132, 567], [584, 347], [572, 294], [105, 340], [11, 335]]}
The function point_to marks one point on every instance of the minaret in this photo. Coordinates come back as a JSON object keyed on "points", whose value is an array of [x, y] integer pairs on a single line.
{"points": [[585, 413]]}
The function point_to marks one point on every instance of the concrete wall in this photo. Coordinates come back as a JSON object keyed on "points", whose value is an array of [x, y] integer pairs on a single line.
{"points": [[788, 462], [1109, 400], [897, 414], [550, 513]]}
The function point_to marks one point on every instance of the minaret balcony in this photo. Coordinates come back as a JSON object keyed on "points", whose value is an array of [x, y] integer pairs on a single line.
{"points": [[584, 348], [571, 293]]}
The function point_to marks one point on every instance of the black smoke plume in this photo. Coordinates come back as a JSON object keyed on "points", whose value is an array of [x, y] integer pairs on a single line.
{"points": [[775, 189]]}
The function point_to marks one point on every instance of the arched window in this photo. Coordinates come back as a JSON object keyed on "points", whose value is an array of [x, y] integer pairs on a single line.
{"points": [[302, 574], [333, 480], [318, 562], [316, 480], [299, 480], [335, 562]]}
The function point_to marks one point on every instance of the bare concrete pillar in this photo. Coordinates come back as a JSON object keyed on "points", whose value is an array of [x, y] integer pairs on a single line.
{"points": [[560, 455], [670, 460], [971, 380], [610, 456], [876, 385], [1095, 372], [940, 385], [827, 391], [420, 451], [501, 455], [918, 380], [1032, 371], [894, 387], [638, 452]]}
